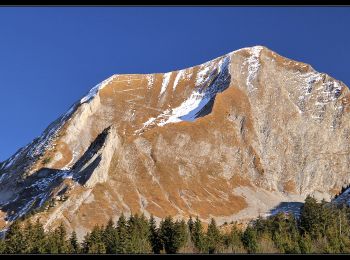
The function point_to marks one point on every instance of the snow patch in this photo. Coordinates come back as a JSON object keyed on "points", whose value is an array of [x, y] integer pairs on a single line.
{"points": [[217, 81], [75, 155], [93, 92], [150, 80], [201, 75], [149, 121], [11, 161], [253, 66], [179, 76], [187, 110], [165, 83]]}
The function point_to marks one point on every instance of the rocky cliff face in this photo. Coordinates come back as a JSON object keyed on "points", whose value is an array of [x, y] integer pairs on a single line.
{"points": [[232, 139]]}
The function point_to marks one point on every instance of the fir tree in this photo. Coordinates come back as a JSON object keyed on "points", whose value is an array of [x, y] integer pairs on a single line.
{"points": [[62, 242], [110, 238], [2, 246], [173, 235], [180, 234], [93, 242], [233, 240], [39, 238], [190, 225], [249, 240], [213, 237], [15, 239], [74, 246], [138, 233], [154, 236], [122, 235], [197, 235]]}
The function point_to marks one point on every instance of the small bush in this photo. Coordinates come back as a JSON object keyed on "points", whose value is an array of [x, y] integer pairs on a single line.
{"points": [[46, 160]]}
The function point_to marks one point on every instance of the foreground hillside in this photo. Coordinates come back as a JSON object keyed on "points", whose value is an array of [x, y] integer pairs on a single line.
{"points": [[321, 228]]}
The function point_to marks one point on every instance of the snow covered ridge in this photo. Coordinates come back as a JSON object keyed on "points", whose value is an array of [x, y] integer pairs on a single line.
{"points": [[93, 92]]}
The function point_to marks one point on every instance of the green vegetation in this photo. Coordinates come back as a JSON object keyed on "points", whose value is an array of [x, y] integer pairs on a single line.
{"points": [[46, 160], [321, 228]]}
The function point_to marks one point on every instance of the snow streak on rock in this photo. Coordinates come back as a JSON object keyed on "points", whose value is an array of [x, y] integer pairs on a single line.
{"points": [[253, 66], [179, 76], [211, 81], [92, 93], [44, 142], [150, 80], [166, 79]]}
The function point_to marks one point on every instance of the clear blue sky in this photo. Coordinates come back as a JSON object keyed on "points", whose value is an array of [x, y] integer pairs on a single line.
{"points": [[50, 57]]}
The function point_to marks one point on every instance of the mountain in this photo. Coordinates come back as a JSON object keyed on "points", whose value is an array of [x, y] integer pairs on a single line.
{"points": [[234, 138]]}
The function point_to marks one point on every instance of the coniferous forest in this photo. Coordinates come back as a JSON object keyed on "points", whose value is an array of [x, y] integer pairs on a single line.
{"points": [[321, 228]]}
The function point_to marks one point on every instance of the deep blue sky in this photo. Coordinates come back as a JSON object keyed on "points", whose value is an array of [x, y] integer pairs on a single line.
{"points": [[50, 57]]}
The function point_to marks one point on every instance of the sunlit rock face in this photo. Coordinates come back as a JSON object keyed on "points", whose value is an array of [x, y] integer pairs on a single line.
{"points": [[232, 139]]}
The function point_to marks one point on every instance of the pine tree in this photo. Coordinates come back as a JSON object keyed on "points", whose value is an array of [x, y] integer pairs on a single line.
{"points": [[166, 229], [2, 246], [285, 233], [138, 233], [15, 239], [173, 235], [74, 246], [249, 240], [28, 234], [93, 242], [197, 235], [190, 225], [39, 239], [305, 244], [154, 236], [143, 238], [122, 235], [62, 242], [110, 238], [180, 234], [310, 219], [213, 237], [86, 243], [52, 242], [234, 240]]}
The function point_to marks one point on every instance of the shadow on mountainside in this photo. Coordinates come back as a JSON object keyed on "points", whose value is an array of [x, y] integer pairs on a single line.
{"points": [[287, 207], [37, 190]]}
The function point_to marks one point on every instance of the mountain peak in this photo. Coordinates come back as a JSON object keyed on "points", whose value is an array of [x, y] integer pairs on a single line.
{"points": [[231, 138]]}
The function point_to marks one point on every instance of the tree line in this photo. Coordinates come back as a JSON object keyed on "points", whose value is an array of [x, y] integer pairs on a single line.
{"points": [[321, 228]]}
